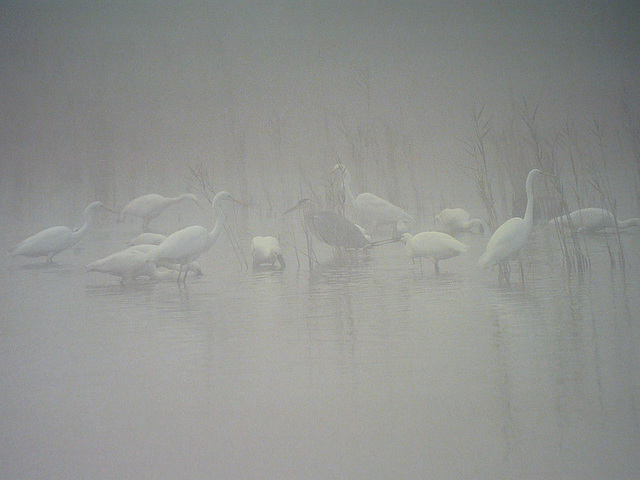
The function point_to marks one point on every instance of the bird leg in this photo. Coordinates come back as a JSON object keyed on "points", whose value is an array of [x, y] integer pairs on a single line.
{"points": [[437, 267], [179, 272]]}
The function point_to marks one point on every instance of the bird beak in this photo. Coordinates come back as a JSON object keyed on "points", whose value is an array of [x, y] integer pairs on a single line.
{"points": [[295, 207], [239, 202]]}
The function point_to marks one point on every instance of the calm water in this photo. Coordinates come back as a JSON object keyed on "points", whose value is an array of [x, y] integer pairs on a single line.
{"points": [[368, 369]]}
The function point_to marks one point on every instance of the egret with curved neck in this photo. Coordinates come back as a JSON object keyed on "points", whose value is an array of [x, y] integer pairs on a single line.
{"points": [[54, 240], [510, 237], [369, 209], [186, 245]]}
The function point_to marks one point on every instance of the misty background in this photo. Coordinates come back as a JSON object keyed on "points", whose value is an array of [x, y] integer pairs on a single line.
{"points": [[110, 100]]}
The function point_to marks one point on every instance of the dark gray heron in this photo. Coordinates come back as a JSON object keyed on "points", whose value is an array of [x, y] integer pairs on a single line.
{"points": [[331, 228]]}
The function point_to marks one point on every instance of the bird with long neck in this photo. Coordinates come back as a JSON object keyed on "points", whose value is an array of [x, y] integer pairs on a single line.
{"points": [[54, 240], [511, 236], [186, 245], [152, 205], [369, 209]]}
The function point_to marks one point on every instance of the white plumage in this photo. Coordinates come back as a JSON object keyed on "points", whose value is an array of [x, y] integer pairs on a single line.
{"points": [[266, 251], [186, 245], [152, 205], [54, 240], [369, 209], [457, 220], [510, 237], [435, 245], [591, 220]]}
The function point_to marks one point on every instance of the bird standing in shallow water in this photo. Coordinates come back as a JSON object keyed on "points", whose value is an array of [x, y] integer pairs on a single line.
{"points": [[150, 206], [435, 245], [266, 250], [369, 209], [331, 228], [511, 236], [54, 240], [591, 220], [457, 220], [186, 245]]}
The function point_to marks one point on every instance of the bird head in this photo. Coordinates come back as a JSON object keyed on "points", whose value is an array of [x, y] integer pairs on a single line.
{"points": [[405, 237]]}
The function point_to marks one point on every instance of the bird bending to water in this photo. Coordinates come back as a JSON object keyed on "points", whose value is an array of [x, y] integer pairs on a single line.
{"points": [[435, 245], [150, 206], [148, 239], [266, 250], [54, 240], [457, 220], [510, 237], [591, 220], [369, 209], [331, 228], [186, 245]]}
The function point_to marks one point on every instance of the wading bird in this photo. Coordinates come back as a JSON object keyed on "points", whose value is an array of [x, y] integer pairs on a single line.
{"points": [[331, 228], [186, 245], [435, 245], [510, 237], [266, 251], [54, 240], [150, 206], [591, 220], [369, 209], [458, 220], [148, 239]]}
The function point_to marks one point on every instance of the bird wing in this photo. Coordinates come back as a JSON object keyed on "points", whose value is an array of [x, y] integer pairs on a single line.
{"points": [[182, 246], [53, 239]]}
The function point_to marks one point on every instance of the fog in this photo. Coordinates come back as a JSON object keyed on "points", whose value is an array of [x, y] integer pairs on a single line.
{"points": [[107, 100], [364, 366]]}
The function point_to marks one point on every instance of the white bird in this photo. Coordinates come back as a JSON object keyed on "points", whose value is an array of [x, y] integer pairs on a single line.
{"points": [[148, 239], [457, 220], [510, 237], [146, 249], [266, 250], [369, 209], [54, 240], [127, 264], [186, 245], [591, 220], [435, 245], [150, 206]]}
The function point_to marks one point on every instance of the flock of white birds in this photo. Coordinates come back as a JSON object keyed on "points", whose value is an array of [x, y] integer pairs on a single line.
{"points": [[158, 257]]}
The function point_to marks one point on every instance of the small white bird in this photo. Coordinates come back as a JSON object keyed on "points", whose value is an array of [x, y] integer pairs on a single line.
{"points": [[150, 206], [146, 249], [54, 240], [510, 237], [186, 245], [266, 251], [435, 245], [369, 209], [148, 239], [457, 220], [591, 220]]}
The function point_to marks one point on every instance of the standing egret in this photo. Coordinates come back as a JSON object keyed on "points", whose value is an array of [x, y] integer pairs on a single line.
{"points": [[457, 220], [148, 239], [369, 209], [266, 250], [54, 240], [186, 245], [331, 228], [510, 237], [435, 245], [591, 220], [150, 206]]}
